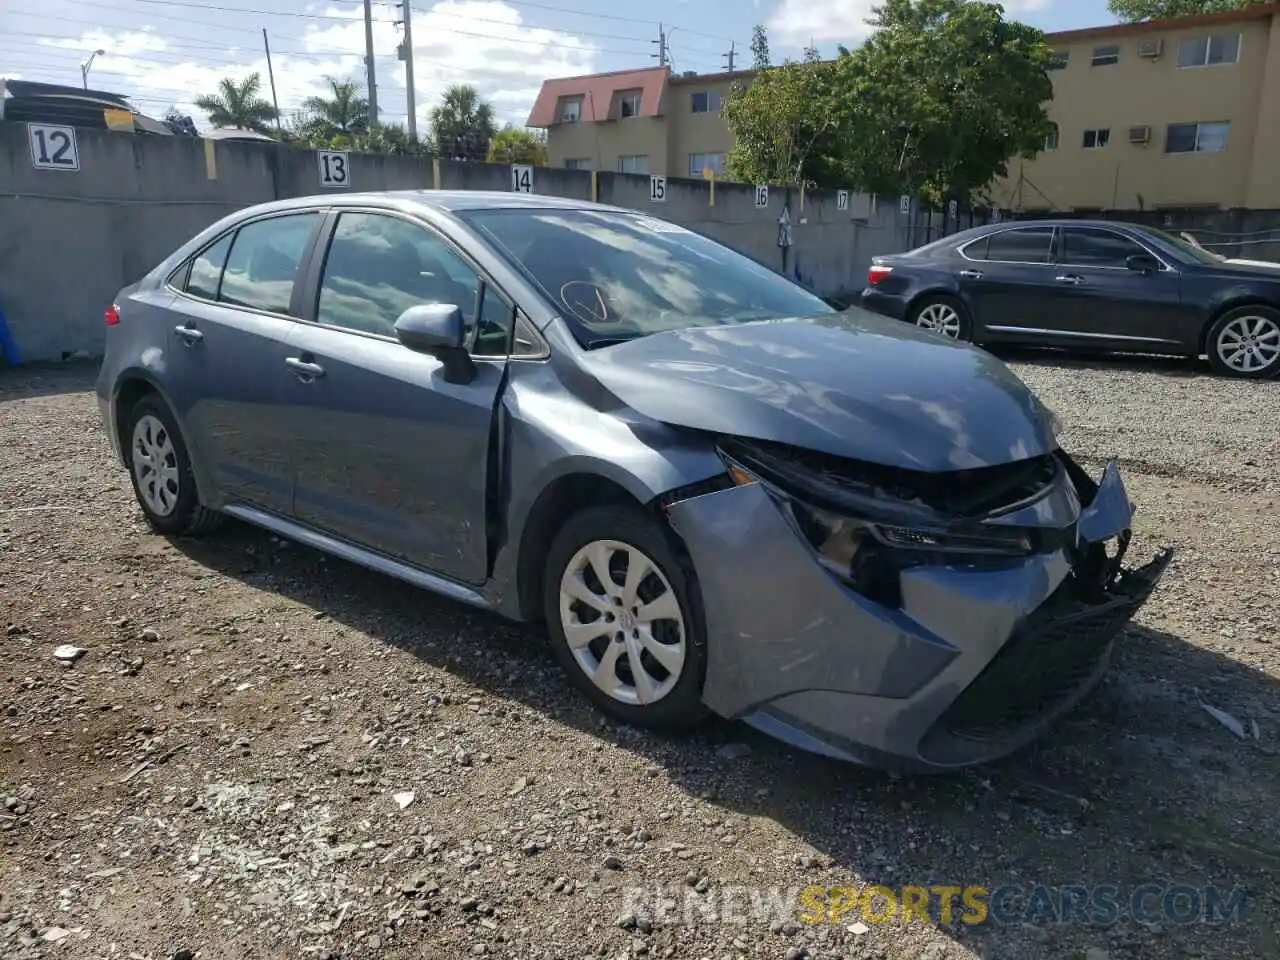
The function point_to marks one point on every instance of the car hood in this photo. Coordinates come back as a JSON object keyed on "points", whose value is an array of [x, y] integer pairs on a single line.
{"points": [[850, 384]]}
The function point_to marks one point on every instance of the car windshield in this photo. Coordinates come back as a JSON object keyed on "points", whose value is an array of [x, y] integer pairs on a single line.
{"points": [[617, 276], [1188, 250]]}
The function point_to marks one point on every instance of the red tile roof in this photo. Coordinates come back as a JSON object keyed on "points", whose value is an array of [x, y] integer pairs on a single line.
{"points": [[597, 92]]}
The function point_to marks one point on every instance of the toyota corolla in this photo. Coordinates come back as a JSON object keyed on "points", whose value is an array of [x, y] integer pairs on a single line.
{"points": [[719, 494]]}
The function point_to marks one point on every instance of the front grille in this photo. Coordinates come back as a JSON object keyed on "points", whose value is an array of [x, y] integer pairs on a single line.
{"points": [[1049, 661]]}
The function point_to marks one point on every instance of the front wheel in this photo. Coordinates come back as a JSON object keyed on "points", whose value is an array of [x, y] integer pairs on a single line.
{"points": [[624, 620], [944, 315], [1245, 342]]}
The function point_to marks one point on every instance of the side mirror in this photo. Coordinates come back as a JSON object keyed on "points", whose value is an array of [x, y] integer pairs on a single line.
{"points": [[437, 329], [1142, 263]]}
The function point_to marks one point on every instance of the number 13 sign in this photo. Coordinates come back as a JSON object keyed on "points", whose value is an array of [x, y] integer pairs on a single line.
{"points": [[53, 147]]}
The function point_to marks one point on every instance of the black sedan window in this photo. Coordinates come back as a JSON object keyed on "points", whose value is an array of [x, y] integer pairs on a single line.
{"points": [[1090, 247], [1021, 245], [618, 275]]}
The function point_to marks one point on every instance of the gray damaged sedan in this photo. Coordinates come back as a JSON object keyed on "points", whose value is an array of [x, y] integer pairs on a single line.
{"points": [[720, 494]]}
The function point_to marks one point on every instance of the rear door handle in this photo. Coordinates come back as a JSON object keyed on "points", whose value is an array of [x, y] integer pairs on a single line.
{"points": [[970, 274], [303, 369], [1069, 278], [190, 335]]}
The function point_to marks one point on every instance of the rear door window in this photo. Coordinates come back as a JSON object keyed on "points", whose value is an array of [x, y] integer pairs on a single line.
{"points": [[206, 270], [1023, 245], [264, 260]]}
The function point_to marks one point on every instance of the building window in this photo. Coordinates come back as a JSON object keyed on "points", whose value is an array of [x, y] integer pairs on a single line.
{"points": [[1196, 138], [571, 110], [1096, 139], [1106, 56], [1209, 51], [1051, 140], [706, 101], [1058, 60], [629, 104], [578, 163], [700, 163], [633, 163]]}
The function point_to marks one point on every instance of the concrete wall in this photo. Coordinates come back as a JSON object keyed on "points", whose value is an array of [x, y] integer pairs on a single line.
{"points": [[70, 240]]}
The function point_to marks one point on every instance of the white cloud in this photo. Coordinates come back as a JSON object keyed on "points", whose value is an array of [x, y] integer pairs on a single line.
{"points": [[482, 42], [799, 21]]}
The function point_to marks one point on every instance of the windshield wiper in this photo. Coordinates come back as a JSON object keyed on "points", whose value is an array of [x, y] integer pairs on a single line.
{"points": [[609, 341]]}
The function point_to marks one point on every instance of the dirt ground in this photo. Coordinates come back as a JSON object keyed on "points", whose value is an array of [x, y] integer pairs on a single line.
{"points": [[226, 771]]}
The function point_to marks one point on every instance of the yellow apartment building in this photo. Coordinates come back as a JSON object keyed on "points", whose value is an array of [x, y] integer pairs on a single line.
{"points": [[1170, 114]]}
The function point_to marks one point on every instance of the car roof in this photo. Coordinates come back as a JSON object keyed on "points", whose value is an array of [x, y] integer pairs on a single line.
{"points": [[449, 201]]}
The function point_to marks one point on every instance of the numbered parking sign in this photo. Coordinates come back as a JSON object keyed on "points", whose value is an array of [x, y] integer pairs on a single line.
{"points": [[762, 197], [521, 178], [842, 199], [658, 189], [53, 147], [335, 170]]}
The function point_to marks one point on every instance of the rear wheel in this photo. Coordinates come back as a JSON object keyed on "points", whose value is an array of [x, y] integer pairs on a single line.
{"points": [[623, 619], [160, 469], [944, 315], [1245, 342]]}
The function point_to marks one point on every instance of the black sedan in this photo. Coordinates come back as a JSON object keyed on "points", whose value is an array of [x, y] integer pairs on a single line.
{"points": [[1086, 284]]}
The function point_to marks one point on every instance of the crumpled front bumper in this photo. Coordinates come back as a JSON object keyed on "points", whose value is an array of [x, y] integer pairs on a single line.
{"points": [[975, 663]]}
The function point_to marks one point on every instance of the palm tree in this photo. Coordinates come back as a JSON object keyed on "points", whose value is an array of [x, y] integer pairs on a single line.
{"points": [[463, 124], [238, 105], [345, 114]]}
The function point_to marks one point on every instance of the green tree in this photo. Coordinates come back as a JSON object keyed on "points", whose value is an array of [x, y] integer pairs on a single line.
{"points": [[1134, 10], [513, 145], [780, 121], [344, 114], [392, 138], [940, 98], [462, 125], [238, 105]]}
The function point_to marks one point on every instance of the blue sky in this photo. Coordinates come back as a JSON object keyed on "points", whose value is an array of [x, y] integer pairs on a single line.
{"points": [[167, 52]]}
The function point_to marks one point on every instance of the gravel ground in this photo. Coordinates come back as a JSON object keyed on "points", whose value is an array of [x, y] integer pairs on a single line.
{"points": [[267, 753]]}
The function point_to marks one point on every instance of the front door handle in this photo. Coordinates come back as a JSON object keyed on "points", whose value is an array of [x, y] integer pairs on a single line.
{"points": [[190, 335], [1070, 278], [970, 274], [304, 370]]}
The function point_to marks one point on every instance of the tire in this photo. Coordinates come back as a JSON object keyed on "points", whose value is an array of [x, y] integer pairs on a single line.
{"points": [[1245, 343], [153, 444], [672, 700], [931, 311]]}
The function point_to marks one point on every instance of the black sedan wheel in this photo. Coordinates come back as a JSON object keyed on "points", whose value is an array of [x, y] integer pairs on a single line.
{"points": [[944, 315], [1245, 342]]}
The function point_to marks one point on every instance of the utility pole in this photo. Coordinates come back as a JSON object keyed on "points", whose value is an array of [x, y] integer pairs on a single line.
{"points": [[663, 55], [406, 54], [369, 66], [271, 75], [730, 54]]}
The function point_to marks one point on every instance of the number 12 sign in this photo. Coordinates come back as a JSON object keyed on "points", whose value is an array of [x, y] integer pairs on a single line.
{"points": [[53, 147]]}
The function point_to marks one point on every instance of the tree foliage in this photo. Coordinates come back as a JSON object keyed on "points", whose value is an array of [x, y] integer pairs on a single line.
{"points": [[463, 124], [941, 97], [779, 119], [936, 102], [238, 105], [1135, 10], [513, 145], [342, 115]]}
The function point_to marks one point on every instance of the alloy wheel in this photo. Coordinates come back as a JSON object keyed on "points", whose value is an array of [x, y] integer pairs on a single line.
{"points": [[622, 622], [155, 465], [1248, 344], [941, 318]]}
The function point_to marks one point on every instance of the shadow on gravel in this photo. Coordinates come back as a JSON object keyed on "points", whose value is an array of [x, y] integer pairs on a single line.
{"points": [[1139, 786], [46, 379]]}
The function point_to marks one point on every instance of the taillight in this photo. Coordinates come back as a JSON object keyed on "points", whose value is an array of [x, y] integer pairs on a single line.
{"points": [[877, 272], [112, 315]]}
